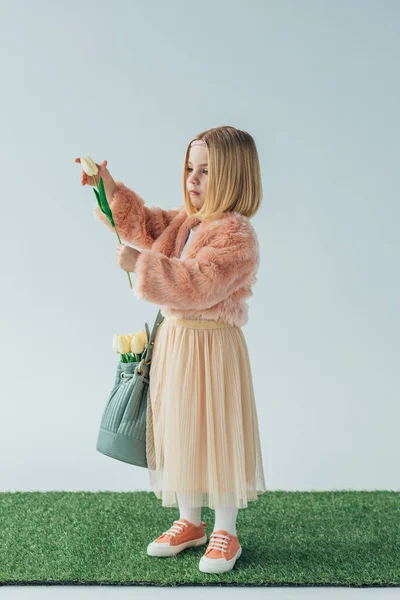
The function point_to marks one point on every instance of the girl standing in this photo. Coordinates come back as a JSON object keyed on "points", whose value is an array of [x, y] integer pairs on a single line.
{"points": [[199, 262]]}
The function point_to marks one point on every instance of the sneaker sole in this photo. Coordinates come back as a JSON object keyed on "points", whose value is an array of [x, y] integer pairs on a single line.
{"points": [[164, 549], [218, 565]]}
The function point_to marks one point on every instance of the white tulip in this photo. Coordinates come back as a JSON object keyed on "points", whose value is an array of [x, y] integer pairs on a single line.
{"points": [[137, 345], [123, 344], [89, 166], [143, 334], [115, 343]]}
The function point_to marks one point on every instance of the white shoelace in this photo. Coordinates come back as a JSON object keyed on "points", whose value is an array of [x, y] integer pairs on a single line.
{"points": [[176, 528], [219, 544]]}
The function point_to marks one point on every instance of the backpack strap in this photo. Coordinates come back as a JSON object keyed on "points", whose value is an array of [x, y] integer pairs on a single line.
{"points": [[148, 352]]}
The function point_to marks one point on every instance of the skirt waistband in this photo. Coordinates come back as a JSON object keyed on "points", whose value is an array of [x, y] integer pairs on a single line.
{"points": [[196, 323]]}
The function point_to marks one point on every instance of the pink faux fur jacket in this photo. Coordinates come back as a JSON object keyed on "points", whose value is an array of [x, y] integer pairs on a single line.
{"points": [[215, 277]]}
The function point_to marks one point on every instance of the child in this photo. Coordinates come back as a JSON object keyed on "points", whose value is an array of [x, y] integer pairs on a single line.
{"points": [[199, 262]]}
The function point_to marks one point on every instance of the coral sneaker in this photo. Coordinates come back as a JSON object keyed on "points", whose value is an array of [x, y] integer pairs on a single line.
{"points": [[183, 534], [221, 554]]}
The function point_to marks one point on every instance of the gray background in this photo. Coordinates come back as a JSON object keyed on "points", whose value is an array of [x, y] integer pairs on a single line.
{"points": [[316, 83]]}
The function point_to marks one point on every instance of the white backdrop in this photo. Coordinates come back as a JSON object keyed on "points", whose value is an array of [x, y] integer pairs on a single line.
{"points": [[316, 84]]}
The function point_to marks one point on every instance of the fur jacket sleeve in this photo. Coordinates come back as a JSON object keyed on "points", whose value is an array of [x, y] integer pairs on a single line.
{"points": [[224, 258], [136, 223]]}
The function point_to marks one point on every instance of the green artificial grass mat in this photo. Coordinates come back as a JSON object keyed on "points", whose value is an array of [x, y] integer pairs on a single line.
{"points": [[333, 538]]}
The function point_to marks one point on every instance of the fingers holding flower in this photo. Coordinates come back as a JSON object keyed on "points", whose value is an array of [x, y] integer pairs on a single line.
{"points": [[126, 257]]}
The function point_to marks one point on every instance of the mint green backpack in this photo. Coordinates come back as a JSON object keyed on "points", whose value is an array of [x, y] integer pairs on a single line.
{"points": [[122, 432]]}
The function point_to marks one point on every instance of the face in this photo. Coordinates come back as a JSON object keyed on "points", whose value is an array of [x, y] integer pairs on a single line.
{"points": [[197, 174]]}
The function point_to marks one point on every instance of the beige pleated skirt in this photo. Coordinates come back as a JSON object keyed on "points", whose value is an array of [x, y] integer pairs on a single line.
{"points": [[202, 436]]}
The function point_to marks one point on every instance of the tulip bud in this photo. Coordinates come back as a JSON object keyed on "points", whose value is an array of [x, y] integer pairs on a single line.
{"points": [[89, 166], [137, 345], [123, 344], [115, 343], [143, 334]]}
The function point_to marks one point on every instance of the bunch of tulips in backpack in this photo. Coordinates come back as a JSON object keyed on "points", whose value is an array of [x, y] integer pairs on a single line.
{"points": [[130, 346]]}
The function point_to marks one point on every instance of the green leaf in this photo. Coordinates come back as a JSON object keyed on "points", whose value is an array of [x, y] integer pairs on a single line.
{"points": [[99, 201], [103, 199]]}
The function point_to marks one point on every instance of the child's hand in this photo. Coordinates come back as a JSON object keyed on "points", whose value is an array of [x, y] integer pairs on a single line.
{"points": [[127, 257], [109, 183]]}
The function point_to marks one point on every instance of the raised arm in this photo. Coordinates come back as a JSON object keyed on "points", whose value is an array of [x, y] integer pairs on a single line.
{"points": [[136, 223], [226, 263]]}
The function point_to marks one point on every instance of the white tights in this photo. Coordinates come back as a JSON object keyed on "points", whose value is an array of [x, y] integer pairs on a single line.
{"points": [[225, 516]]}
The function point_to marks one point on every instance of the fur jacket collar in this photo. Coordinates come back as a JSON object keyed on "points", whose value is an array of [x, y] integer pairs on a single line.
{"points": [[216, 275]]}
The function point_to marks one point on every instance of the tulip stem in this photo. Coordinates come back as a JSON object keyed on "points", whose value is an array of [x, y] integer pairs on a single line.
{"points": [[119, 239], [115, 229]]}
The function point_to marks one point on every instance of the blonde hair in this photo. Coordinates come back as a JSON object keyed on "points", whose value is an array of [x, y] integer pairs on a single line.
{"points": [[234, 176]]}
